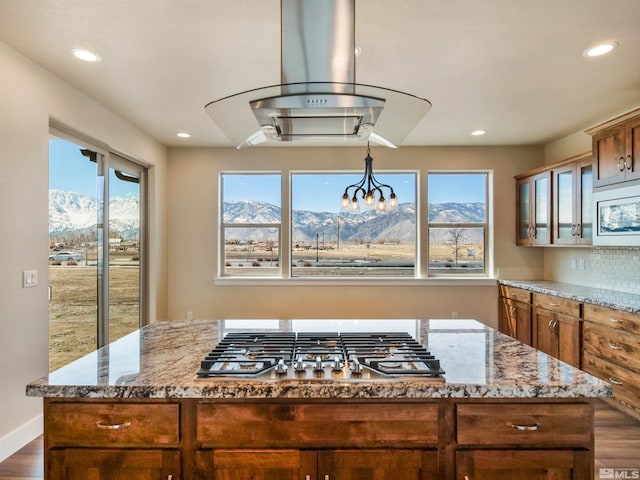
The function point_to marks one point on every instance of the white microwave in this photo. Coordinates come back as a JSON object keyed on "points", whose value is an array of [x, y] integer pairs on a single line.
{"points": [[616, 217]]}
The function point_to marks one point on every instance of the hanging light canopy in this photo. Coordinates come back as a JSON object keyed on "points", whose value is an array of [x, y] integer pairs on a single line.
{"points": [[370, 190]]}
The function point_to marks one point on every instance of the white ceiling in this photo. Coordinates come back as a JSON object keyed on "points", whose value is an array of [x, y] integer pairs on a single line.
{"points": [[511, 67]]}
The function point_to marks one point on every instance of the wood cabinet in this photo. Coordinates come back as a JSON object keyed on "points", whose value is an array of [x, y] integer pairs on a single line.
{"points": [[483, 431], [611, 350], [616, 150], [515, 313], [533, 212], [297, 439], [106, 440], [573, 202], [557, 327]]}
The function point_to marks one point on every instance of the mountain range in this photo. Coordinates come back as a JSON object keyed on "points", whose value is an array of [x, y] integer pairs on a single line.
{"points": [[74, 212]]}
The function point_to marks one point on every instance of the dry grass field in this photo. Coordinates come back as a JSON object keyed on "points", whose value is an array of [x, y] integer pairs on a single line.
{"points": [[73, 309]]}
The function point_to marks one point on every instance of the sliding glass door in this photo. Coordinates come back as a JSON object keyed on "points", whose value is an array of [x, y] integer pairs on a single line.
{"points": [[96, 234]]}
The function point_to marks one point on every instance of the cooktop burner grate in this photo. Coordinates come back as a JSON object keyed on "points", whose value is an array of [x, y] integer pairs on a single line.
{"points": [[320, 355]]}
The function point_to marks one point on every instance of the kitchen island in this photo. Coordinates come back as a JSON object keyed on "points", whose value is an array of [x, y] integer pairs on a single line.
{"points": [[136, 407]]}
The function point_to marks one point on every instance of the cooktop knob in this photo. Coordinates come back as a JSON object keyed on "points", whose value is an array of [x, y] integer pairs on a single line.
{"points": [[356, 366], [281, 368], [299, 366], [336, 365], [318, 367]]}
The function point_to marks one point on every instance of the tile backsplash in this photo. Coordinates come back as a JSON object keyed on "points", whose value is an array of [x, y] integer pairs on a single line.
{"points": [[616, 269]]}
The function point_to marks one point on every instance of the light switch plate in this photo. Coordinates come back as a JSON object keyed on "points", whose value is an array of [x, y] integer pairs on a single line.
{"points": [[29, 278]]}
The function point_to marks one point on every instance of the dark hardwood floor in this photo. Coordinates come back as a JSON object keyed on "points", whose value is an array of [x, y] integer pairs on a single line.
{"points": [[617, 445]]}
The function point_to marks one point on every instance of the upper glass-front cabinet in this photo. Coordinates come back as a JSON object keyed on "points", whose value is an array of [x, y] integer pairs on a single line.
{"points": [[534, 209], [572, 203]]}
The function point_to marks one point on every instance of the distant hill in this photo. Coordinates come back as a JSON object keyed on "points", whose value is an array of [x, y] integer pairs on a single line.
{"points": [[73, 212]]}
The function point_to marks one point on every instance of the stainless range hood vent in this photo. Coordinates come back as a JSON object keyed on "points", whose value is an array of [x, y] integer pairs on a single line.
{"points": [[318, 101]]}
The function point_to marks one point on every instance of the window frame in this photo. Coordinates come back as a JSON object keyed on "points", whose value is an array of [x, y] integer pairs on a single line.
{"points": [[422, 273], [485, 226], [223, 226]]}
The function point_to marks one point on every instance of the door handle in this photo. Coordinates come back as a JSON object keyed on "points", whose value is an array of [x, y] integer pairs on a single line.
{"points": [[628, 165]]}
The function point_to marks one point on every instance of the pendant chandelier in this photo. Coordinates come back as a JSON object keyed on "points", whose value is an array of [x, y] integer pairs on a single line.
{"points": [[370, 190]]}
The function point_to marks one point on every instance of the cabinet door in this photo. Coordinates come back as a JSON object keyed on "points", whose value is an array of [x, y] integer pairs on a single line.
{"points": [[523, 465], [256, 465], [632, 159], [377, 465], [523, 212], [103, 464], [584, 202], [609, 150], [515, 319], [564, 205], [568, 331], [545, 338], [542, 209]]}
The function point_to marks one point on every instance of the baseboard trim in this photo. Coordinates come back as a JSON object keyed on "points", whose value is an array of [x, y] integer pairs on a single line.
{"points": [[14, 441]]}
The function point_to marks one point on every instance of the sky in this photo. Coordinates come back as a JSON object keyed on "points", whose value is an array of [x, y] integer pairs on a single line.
{"points": [[69, 170], [323, 192]]}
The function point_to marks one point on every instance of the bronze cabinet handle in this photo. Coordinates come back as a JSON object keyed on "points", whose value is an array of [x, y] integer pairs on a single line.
{"points": [[614, 381], [613, 346], [621, 164], [628, 165]]}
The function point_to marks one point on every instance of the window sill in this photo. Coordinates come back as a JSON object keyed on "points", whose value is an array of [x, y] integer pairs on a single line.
{"points": [[387, 282]]}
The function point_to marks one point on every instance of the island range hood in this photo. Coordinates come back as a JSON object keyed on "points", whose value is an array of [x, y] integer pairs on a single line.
{"points": [[318, 101]]}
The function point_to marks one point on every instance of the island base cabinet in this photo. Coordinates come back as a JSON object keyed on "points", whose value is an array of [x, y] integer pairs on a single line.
{"points": [[523, 465], [317, 465], [113, 464], [256, 465]]}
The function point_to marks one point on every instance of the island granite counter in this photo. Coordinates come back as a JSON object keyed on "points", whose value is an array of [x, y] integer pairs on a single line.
{"points": [[136, 407]]}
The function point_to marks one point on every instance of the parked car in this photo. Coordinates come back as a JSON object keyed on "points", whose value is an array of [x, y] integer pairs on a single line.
{"points": [[64, 256]]}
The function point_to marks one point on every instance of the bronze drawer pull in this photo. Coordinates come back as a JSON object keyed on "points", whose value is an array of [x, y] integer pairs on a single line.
{"points": [[524, 428], [115, 426], [614, 320], [551, 304], [613, 346], [614, 381]]}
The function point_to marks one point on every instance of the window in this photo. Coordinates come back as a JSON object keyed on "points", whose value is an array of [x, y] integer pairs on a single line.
{"points": [[315, 238], [457, 223], [328, 242], [251, 224]]}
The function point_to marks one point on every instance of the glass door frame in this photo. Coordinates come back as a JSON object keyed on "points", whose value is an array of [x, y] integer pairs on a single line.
{"points": [[106, 158]]}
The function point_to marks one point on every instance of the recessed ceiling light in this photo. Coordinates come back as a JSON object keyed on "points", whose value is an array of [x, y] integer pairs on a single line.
{"points": [[477, 133], [600, 49], [183, 134], [85, 55]]}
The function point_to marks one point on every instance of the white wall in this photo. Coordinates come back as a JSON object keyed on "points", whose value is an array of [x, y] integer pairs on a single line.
{"points": [[193, 220], [29, 96]]}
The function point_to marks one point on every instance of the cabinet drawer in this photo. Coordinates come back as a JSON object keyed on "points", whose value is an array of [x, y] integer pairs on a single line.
{"points": [[557, 304], [615, 346], [112, 424], [567, 424], [611, 318], [267, 425], [626, 384], [514, 293]]}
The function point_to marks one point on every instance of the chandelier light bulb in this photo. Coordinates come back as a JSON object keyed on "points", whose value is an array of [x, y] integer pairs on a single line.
{"points": [[369, 199], [382, 206], [345, 201], [354, 204], [393, 201]]}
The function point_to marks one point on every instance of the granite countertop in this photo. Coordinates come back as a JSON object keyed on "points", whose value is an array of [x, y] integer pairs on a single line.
{"points": [[160, 361], [627, 302]]}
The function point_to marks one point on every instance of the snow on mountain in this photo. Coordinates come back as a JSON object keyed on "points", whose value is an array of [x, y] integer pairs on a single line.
{"points": [[74, 212]]}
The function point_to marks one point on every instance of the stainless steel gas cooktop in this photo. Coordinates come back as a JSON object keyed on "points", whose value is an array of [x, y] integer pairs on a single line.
{"points": [[320, 356]]}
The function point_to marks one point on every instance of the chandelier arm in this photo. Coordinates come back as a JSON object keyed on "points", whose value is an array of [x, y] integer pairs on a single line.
{"points": [[380, 184]]}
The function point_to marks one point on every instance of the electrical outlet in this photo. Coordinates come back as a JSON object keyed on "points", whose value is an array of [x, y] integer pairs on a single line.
{"points": [[573, 264], [581, 264], [189, 315], [454, 314]]}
